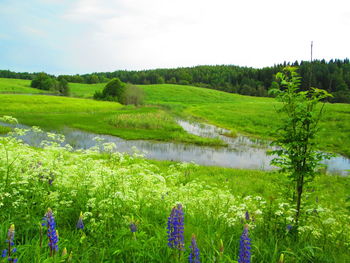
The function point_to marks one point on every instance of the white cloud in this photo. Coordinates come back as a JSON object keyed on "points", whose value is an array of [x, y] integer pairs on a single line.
{"points": [[105, 35]]}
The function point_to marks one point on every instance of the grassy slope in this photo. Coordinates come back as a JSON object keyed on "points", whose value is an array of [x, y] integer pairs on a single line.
{"points": [[52, 112], [250, 115], [253, 116], [18, 86]]}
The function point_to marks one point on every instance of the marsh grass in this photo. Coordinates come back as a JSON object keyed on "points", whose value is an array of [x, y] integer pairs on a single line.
{"points": [[4, 130], [152, 118]]}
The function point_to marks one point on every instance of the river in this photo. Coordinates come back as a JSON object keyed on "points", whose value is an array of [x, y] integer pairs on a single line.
{"points": [[240, 152]]}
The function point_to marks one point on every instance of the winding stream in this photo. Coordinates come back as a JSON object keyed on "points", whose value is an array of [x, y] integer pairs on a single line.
{"points": [[241, 152]]}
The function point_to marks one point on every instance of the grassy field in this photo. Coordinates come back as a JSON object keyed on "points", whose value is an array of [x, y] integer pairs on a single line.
{"points": [[116, 191], [55, 113], [125, 201], [252, 116], [18, 86]]}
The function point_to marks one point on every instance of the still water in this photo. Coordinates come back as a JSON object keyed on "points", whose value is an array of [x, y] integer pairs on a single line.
{"points": [[240, 152]]}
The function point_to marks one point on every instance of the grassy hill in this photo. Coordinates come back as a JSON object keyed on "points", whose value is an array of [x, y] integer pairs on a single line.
{"points": [[254, 116], [18, 86]]}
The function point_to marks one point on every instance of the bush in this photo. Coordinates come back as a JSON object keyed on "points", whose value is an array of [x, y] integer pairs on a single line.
{"points": [[44, 82], [114, 90], [132, 95]]}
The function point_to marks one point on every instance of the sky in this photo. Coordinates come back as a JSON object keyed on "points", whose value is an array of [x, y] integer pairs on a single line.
{"points": [[84, 36]]}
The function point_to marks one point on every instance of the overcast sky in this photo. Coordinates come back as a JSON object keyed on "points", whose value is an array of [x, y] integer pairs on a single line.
{"points": [[82, 36]]}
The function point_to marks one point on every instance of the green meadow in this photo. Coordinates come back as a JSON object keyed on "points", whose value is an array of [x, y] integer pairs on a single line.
{"points": [[253, 116], [18, 86], [125, 201], [57, 113]]}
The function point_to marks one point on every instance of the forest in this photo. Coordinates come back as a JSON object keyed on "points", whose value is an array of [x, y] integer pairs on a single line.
{"points": [[332, 76]]}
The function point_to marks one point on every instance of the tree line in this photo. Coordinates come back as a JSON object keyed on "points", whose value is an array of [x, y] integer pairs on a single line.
{"points": [[332, 76]]}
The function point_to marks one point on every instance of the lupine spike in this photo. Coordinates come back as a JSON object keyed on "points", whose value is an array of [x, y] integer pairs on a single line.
{"points": [[247, 217], [194, 254], [244, 250], [133, 227], [52, 233], [176, 228], [10, 243], [80, 224]]}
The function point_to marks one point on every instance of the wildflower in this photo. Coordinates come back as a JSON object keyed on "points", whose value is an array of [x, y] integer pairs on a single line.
{"points": [[176, 228], [244, 250], [133, 227], [52, 234], [194, 254], [80, 224], [10, 243], [289, 227], [247, 217]]}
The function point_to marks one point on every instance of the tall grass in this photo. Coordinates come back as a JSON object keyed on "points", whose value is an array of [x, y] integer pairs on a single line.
{"points": [[148, 120]]}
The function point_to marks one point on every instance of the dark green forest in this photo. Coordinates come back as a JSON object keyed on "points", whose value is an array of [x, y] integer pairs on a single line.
{"points": [[333, 76]]}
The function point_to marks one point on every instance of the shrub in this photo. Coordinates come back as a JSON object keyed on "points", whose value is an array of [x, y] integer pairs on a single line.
{"points": [[132, 95]]}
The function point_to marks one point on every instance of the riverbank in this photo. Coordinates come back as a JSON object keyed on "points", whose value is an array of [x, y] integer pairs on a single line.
{"points": [[249, 116]]}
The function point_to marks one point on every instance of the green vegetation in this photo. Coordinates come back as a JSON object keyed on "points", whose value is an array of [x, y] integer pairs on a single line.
{"points": [[113, 91], [4, 130], [123, 202], [84, 90], [18, 86], [43, 81], [51, 112], [296, 153], [114, 190], [333, 76], [252, 116], [125, 93]]}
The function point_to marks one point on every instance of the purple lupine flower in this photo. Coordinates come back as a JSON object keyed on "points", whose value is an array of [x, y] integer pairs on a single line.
{"points": [[247, 217], [80, 224], [176, 228], [244, 250], [52, 234], [10, 243], [194, 254], [133, 227], [289, 227]]}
